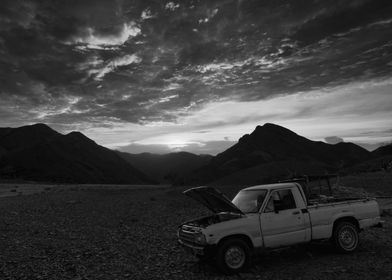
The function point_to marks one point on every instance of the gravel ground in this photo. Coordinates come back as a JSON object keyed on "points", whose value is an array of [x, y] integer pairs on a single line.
{"points": [[131, 234]]}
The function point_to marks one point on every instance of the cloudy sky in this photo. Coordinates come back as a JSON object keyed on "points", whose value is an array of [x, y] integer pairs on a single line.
{"points": [[161, 76]]}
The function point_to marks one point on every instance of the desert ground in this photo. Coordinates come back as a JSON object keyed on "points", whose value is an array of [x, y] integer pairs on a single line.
{"points": [[103, 232]]}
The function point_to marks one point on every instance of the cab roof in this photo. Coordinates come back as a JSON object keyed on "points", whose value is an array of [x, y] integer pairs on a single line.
{"points": [[270, 186]]}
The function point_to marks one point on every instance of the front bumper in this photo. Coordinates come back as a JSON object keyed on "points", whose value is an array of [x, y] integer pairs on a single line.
{"points": [[193, 249]]}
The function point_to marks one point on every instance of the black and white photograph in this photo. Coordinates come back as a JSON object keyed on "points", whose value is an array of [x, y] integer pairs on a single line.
{"points": [[195, 139]]}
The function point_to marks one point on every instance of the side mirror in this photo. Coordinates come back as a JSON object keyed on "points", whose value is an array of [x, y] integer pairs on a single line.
{"points": [[278, 206]]}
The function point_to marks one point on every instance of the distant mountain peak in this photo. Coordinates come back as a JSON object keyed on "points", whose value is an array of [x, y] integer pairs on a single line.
{"points": [[267, 125], [37, 152], [77, 134], [274, 145], [79, 137], [37, 126], [270, 127], [25, 136]]}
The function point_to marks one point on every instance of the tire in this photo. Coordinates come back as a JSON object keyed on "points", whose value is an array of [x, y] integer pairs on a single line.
{"points": [[345, 237], [233, 256]]}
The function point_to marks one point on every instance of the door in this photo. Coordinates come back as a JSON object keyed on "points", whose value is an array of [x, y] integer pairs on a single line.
{"points": [[282, 221]]}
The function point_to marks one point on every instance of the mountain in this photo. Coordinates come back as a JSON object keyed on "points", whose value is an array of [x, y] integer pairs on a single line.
{"points": [[269, 153], [381, 160], [280, 151], [385, 150], [167, 168], [39, 153], [13, 139]]}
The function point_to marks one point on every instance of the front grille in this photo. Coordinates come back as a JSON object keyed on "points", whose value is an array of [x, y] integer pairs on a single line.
{"points": [[187, 234]]}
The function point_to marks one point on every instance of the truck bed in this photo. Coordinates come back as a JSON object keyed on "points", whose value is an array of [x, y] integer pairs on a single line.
{"points": [[332, 199], [324, 212]]}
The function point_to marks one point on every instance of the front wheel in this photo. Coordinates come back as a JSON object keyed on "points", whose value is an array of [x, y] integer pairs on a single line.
{"points": [[233, 256], [345, 237]]}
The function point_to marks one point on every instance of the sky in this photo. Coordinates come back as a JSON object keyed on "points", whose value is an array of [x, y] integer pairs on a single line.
{"points": [[162, 76]]}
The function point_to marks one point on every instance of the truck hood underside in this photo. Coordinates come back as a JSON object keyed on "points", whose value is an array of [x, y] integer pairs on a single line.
{"points": [[213, 199]]}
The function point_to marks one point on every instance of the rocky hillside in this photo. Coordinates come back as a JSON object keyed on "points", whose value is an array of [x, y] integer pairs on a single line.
{"points": [[271, 152], [39, 153]]}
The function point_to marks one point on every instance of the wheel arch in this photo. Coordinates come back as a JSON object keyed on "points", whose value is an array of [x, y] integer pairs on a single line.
{"points": [[241, 236], [350, 219]]}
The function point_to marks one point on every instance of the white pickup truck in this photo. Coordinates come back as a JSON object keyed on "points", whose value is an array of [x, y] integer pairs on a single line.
{"points": [[268, 217]]}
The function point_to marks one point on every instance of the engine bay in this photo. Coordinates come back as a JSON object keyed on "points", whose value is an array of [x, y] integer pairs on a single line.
{"points": [[213, 219]]}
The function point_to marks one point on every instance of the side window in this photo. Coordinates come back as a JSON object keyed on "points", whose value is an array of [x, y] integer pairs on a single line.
{"points": [[287, 198], [270, 206], [283, 198]]}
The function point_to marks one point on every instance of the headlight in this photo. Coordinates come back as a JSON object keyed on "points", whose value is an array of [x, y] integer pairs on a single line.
{"points": [[200, 239]]}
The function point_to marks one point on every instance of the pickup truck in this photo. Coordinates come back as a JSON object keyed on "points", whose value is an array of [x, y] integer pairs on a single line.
{"points": [[268, 217]]}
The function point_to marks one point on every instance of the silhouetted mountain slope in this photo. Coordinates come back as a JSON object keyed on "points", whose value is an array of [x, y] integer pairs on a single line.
{"points": [[167, 168], [383, 151], [269, 153], [381, 160], [271, 172], [272, 143], [41, 154], [26, 136], [2, 151]]}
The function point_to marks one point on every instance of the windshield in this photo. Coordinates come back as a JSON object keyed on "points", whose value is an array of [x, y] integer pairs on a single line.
{"points": [[249, 201]]}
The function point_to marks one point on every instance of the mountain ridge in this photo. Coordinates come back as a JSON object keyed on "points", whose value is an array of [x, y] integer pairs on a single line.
{"points": [[270, 152], [39, 153], [273, 143]]}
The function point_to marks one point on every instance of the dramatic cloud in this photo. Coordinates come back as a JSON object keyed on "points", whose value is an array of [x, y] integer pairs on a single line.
{"points": [[150, 65], [112, 65], [315, 114], [172, 6]]}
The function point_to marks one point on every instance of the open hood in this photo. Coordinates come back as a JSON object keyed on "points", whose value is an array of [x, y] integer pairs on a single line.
{"points": [[213, 199]]}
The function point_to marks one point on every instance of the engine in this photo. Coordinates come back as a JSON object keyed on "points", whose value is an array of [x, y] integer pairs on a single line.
{"points": [[214, 219]]}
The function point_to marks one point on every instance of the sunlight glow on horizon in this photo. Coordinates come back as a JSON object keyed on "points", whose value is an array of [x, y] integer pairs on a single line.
{"points": [[350, 111]]}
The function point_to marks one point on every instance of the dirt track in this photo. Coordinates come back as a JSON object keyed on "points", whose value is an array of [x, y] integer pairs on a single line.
{"points": [[131, 234]]}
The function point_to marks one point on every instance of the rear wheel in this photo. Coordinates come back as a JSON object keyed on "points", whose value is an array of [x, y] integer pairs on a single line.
{"points": [[345, 237], [233, 256]]}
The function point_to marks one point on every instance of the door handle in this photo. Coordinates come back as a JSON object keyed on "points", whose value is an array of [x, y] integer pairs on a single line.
{"points": [[296, 212]]}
